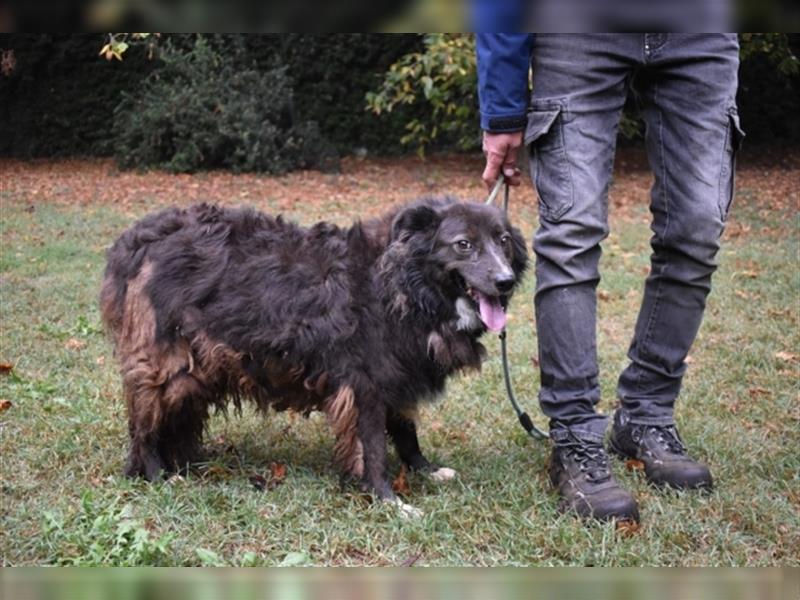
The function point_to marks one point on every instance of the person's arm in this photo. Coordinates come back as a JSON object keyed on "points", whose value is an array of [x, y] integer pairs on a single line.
{"points": [[503, 63]]}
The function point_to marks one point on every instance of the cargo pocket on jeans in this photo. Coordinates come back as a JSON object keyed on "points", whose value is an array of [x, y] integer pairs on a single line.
{"points": [[544, 137], [733, 142]]}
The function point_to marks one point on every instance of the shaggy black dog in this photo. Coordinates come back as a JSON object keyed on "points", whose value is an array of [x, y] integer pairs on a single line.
{"points": [[211, 304]]}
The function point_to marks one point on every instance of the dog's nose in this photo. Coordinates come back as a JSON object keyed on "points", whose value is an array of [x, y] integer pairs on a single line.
{"points": [[504, 283]]}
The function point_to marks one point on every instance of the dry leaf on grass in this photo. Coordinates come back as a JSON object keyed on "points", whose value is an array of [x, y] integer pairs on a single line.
{"points": [[400, 483], [74, 344], [787, 356], [755, 392], [277, 473], [456, 436], [5, 405], [6, 368], [634, 465], [627, 528]]}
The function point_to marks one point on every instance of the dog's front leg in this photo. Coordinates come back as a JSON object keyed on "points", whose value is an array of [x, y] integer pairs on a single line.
{"points": [[372, 431], [371, 419], [403, 431]]}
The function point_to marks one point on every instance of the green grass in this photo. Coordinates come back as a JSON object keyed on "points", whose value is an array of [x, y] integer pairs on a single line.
{"points": [[64, 500]]}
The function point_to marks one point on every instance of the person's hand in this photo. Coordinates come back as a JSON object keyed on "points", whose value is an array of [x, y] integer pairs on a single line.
{"points": [[501, 151]]}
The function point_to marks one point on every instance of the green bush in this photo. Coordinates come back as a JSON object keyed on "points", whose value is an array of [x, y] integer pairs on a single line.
{"points": [[207, 109], [442, 79]]}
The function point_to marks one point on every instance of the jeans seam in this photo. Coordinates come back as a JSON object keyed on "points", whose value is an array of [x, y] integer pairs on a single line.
{"points": [[657, 301]]}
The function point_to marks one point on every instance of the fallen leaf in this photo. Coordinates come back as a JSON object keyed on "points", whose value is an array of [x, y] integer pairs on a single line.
{"points": [[787, 356], [5, 405], [604, 295], [278, 471], [758, 391], [74, 344], [6, 368], [627, 527], [535, 361], [101, 360], [634, 465], [400, 483], [735, 229], [458, 436]]}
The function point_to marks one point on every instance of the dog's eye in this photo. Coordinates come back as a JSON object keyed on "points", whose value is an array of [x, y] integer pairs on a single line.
{"points": [[464, 245], [505, 238]]}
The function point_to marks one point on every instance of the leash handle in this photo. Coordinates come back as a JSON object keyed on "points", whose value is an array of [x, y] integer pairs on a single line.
{"points": [[496, 189], [524, 419]]}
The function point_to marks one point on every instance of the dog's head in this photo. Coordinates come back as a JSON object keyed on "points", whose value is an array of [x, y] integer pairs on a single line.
{"points": [[467, 254]]}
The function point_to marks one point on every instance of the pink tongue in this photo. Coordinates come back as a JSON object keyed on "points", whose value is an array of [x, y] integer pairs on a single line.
{"points": [[492, 313]]}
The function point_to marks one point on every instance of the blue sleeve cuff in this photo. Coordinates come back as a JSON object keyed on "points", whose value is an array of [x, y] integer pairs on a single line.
{"points": [[504, 123]]}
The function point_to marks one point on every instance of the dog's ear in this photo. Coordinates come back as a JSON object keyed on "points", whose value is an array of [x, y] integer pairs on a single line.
{"points": [[415, 219], [519, 252]]}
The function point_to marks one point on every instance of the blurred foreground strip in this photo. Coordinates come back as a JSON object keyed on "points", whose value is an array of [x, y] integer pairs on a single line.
{"points": [[346, 584]]}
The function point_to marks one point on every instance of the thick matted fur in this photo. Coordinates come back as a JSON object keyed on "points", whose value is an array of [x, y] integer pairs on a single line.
{"points": [[210, 305]]}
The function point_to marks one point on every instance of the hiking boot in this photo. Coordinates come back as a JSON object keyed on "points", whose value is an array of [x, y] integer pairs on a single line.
{"points": [[661, 452], [580, 472]]}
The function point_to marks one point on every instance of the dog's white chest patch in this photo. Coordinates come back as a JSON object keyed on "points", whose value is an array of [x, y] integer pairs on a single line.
{"points": [[468, 319]]}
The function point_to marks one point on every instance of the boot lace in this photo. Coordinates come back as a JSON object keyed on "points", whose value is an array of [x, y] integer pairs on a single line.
{"points": [[590, 457], [667, 436]]}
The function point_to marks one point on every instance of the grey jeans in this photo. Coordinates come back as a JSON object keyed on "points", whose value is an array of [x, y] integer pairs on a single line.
{"points": [[686, 84]]}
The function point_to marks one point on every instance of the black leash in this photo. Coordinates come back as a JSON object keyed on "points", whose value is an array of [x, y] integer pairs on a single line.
{"points": [[524, 420]]}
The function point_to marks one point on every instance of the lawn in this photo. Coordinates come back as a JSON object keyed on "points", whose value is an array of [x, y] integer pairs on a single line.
{"points": [[63, 428]]}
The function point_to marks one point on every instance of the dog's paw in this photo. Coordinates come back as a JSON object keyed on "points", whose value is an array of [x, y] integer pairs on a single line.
{"points": [[407, 511], [443, 474]]}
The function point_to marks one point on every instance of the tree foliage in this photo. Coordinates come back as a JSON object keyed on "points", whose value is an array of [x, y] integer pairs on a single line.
{"points": [[205, 109], [442, 77], [774, 46]]}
